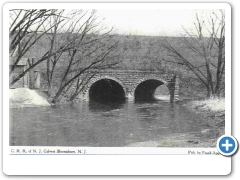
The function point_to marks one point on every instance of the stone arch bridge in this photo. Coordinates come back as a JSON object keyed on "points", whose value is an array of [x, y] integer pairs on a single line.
{"points": [[129, 85]]}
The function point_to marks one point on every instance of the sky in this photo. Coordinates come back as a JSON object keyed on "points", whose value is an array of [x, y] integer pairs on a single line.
{"points": [[149, 22]]}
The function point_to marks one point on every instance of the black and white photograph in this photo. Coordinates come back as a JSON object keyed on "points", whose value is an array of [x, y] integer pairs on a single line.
{"points": [[116, 78], [88, 87]]}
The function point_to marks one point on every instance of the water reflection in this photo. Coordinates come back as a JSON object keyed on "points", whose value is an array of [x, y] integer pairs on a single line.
{"points": [[101, 124], [105, 106]]}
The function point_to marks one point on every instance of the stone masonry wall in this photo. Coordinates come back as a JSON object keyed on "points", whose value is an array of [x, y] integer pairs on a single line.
{"points": [[129, 80]]}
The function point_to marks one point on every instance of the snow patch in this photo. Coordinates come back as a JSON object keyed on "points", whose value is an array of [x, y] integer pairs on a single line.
{"points": [[24, 97]]}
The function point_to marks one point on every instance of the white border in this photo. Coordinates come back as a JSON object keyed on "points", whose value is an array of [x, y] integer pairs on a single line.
{"points": [[136, 164]]}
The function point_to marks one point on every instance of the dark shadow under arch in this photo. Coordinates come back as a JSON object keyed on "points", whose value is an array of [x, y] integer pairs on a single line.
{"points": [[146, 89], [106, 90]]}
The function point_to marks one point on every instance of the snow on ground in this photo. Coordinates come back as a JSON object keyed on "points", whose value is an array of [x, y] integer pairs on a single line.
{"points": [[24, 97], [217, 104]]}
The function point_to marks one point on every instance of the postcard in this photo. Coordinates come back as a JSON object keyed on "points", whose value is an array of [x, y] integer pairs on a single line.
{"points": [[117, 89]]}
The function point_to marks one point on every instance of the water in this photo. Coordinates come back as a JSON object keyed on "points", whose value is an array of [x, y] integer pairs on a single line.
{"points": [[108, 125]]}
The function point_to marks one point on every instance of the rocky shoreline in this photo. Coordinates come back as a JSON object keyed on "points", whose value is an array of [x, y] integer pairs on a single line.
{"points": [[214, 115]]}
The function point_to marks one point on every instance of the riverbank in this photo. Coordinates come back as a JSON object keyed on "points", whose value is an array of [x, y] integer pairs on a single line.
{"points": [[24, 97], [213, 111], [213, 105], [214, 114]]}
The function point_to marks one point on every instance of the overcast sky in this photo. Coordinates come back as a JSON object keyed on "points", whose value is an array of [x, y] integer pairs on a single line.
{"points": [[150, 22]]}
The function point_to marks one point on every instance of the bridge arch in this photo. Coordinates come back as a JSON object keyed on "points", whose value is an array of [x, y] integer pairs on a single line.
{"points": [[145, 88], [129, 81], [104, 88]]}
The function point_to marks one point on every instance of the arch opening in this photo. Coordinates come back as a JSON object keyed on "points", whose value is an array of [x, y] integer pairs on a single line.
{"points": [[106, 90], [162, 93], [145, 91]]}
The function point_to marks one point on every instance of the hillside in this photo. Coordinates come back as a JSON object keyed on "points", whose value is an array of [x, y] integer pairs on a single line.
{"points": [[138, 53]]}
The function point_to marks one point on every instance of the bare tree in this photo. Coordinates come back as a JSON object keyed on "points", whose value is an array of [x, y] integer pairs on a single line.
{"points": [[204, 56], [80, 62], [26, 29], [75, 42], [24, 25], [92, 47]]}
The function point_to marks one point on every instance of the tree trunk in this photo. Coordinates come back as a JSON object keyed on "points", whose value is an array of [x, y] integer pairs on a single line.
{"points": [[48, 78], [56, 97]]}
